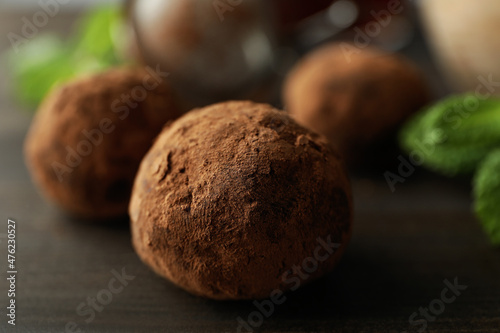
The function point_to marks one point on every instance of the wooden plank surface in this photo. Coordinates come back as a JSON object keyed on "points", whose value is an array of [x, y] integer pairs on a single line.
{"points": [[405, 245]]}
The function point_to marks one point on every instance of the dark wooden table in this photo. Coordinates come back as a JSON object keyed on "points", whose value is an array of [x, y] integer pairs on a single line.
{"points": [[405, 245]]}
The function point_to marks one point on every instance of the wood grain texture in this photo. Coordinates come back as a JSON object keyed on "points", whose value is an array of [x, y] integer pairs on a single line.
{"points": [[405, 244]]}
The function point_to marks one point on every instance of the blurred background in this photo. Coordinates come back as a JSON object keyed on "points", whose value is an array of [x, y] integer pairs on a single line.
{"points": [[50, 42]]}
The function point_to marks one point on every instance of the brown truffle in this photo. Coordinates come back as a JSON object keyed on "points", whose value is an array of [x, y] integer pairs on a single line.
{"points": [[355, 97], [233, 195], [89, 137]]}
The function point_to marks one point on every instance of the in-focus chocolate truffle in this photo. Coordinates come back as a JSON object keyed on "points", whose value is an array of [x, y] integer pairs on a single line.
{"points": [[355, 97], [89, 136], [233, 196]]}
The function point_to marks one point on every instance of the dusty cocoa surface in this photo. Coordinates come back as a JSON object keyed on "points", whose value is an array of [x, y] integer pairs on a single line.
{"points": [[234, 195], [107, 135], [357, 98]]}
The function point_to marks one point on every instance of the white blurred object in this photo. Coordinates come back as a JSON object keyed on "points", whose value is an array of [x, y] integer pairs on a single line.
{"points": [[464, 37], [343, 13]]}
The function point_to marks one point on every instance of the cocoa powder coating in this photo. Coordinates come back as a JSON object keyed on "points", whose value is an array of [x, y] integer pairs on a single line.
{"points": [[356, 97], [232, 196], [89, 136]]}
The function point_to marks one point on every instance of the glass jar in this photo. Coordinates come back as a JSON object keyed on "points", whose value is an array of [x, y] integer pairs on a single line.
{"points": [[214, 50]]}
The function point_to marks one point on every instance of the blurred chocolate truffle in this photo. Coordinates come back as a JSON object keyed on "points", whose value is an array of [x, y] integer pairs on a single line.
{"points": [[355, 97], [233, 196], [89, 136]]}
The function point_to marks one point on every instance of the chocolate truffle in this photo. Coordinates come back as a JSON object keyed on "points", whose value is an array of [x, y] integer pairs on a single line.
{"points": [[355, 97], [89, 136], [232, 196]]}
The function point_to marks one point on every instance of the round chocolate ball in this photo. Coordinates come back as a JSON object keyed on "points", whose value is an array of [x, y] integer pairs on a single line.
{"points": [[355, 97], [89, 136], [232, 196]]}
